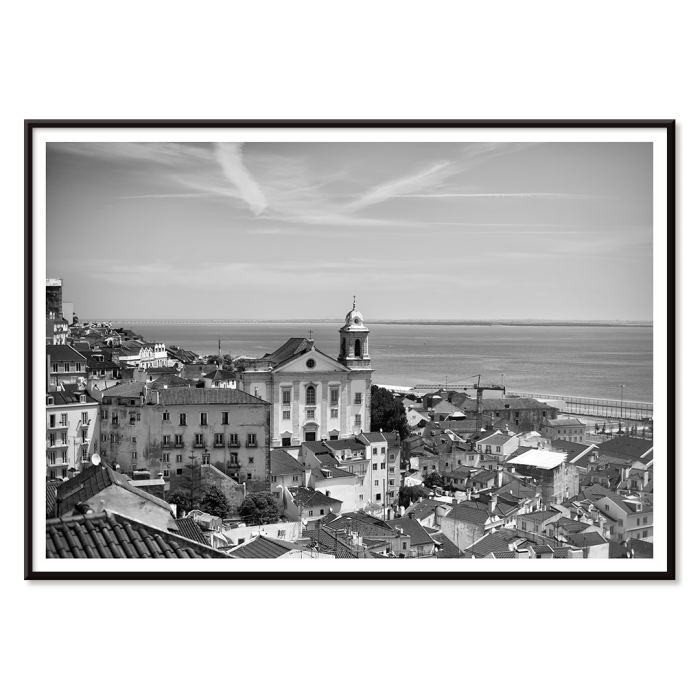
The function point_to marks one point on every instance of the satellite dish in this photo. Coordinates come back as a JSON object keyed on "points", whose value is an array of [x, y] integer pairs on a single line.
{"points": [[95, 459]]}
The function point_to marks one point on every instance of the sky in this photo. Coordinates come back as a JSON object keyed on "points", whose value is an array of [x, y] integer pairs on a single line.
{"points": [[553, 231]]}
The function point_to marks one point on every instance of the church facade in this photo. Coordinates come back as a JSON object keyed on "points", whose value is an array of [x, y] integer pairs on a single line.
{"points": [[314, 396]]}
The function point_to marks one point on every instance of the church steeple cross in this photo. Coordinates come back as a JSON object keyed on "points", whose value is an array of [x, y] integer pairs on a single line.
{"points": [[353, 302]]}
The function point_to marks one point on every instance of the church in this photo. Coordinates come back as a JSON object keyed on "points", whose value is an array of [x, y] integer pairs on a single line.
{"points": [[313, 396]]}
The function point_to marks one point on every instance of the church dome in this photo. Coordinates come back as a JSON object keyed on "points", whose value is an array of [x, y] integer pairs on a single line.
{"points": [[354, 320]]}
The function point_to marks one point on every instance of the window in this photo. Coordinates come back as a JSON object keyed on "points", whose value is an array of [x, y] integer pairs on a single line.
{"points": [[310, 413], [376, 482], [252, 440], [334, 412], [166, 415], [310, 363], [286, 415], [66, 367], [82, 398], [358, 398], [287, 397], [203, 419], [64, 419], [362, 498], [251, 460], [379, 497], [64, 456], [322, 511], [64, 438], [310, 436], [286, 442], [233, 440], [310, 512], [295, 478], [281, 534], [183, 419], [334, 396], [104, 414], [393, 469], [311, 395], [358, 348], [52, 458], [391, 482], [234, 458], [166, 473], [178, 458], [84, 418], [644, 521], [52, 442], [383, 450], [219, 440], [374, 450], [374, 466], [178, 471], [607, 507], [54, 367], [103, 437], [198, 440], [358, 419], [166, 456], [250, 476], [224, 417], [178, 441], [645, 533], [166, 440], [205, 458], [83, 435]]}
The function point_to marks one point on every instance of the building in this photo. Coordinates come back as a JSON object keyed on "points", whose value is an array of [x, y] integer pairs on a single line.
{"points": [[628, 448], [71, 437], [512, 413], [56, 331], [54, 299], [570, 429], [499, 444], [557, 478], [64, 365], [162, 430], [367, 456], [313, 396]]}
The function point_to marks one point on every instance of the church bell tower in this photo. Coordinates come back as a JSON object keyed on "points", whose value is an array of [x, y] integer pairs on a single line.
{"points": [[354, 341]]}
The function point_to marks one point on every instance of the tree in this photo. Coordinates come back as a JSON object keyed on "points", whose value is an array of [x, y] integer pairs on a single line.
{"points": [[387, 413], [597, 428], [411, 494], [433, 480], [259, 509], [182, 501], [214, 502], [619, 428]]}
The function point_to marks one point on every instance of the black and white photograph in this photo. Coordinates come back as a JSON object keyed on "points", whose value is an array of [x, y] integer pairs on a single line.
{"points": [[436, 351]]}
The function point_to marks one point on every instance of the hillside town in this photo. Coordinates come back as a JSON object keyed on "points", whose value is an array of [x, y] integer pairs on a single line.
{"points": [[159, 452]]}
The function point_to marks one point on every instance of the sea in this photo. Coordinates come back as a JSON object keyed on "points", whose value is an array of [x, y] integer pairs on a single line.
{"points": [[588, 361]]}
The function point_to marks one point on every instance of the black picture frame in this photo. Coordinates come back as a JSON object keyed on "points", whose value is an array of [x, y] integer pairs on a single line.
{"points": [[667, 125]]}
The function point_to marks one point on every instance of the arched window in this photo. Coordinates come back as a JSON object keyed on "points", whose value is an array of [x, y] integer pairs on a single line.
{"points": [[358, 348], [311, 395], [342, 347]]}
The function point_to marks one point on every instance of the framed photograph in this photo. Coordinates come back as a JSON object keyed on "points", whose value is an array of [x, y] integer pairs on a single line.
{"points": [[350, 349]]}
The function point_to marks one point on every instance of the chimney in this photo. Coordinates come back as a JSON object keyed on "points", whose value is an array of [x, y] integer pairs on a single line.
{"points": [[494, 502], [646, 477], [499, 478]]}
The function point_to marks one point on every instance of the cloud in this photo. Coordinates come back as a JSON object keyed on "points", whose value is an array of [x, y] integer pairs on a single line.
{"points": [[230, 159]]}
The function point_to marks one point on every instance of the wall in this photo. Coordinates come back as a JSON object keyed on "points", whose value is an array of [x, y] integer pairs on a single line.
{"points": [[210, 476], [292, 532], [149, 430], [73, 432], [124, 502]]}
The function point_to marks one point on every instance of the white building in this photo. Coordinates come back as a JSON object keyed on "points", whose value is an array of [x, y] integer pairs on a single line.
{"points": [[314, 396]]}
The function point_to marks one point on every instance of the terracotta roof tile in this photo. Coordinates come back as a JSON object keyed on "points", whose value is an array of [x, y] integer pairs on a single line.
{"points": [[108, 535]]}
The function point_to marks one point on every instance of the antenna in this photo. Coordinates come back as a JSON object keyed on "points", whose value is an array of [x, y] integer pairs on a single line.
{"points": [[95, 459]]}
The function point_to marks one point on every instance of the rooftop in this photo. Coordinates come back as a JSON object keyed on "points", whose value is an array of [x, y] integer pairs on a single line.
{"points": [[413, 529], [108, 535], [263, 547], [542, 459], [182, 396]]}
